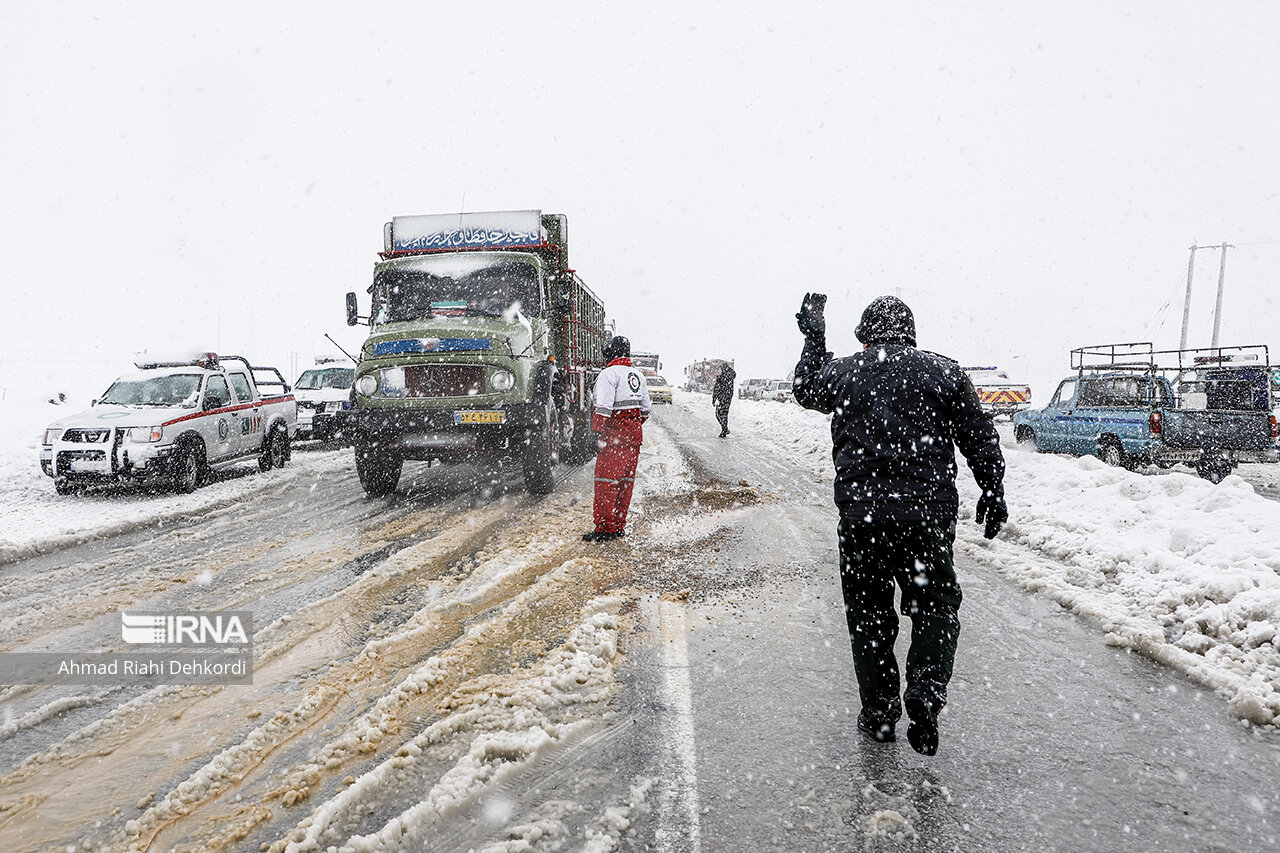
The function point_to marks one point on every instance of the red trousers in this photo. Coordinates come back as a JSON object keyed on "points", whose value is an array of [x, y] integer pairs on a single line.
{"points": [[616, 471]]}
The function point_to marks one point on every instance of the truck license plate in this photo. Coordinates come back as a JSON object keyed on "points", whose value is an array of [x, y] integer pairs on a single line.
{"points": [[494, 417]]}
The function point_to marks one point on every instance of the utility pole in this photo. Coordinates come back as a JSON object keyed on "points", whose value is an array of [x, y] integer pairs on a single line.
{"points": [[1217, 311], [1186, 306]]}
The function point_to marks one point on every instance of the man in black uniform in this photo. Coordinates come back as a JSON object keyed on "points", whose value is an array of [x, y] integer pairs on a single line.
{"points": [[722, 396], [898, 414]]}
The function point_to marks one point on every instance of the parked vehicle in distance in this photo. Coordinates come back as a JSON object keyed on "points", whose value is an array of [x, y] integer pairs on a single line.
{"points": [[171, 423], [659, 390], [701, 376], [324, 397], [780, 391], [1130, 405], [1000, 396], [647, 363], [752, 389]]}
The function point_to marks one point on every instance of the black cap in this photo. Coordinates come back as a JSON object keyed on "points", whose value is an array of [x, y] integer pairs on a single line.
{"points": [[617, 347], [887, 318]]}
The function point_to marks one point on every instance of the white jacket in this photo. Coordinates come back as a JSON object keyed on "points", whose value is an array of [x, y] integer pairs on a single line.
{"points": [[619, 388]]}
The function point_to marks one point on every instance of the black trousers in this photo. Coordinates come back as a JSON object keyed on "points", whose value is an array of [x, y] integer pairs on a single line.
{"points": [[916, 557], [722, 415]]}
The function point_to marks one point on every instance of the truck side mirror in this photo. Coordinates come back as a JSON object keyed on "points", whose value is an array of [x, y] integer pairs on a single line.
{"points": [[353, 314]]}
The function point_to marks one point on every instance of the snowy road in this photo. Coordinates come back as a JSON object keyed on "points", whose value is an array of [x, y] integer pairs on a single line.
{"points": [[441, 670]]}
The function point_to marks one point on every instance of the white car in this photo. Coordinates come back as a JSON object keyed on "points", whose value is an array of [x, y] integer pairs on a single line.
{"points": [[172, 421], [324, 396], [779, 391]]}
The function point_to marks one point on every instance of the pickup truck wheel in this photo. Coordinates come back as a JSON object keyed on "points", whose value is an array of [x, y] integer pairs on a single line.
{"points": [[540, 450], [275, 450], [378, 469], [1213, 467], [1111, 453], [1026, 437], [185, 474]]}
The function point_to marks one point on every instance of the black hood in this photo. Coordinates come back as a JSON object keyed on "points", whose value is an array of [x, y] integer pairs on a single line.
{"points": [[887, 318]]}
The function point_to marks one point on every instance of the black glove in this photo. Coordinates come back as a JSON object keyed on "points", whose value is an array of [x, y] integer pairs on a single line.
{"points": [[992, 508], [810, 320]]}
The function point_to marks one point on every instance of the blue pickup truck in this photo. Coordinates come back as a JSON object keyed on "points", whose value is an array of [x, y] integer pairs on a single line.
{"points": [[1130, 405]]}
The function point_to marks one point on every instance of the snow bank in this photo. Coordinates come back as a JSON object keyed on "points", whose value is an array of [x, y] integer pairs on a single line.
{"points": [[1165, 563]]}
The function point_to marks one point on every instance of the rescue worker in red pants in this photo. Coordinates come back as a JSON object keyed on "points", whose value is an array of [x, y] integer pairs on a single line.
{"points": [[622, 405]]}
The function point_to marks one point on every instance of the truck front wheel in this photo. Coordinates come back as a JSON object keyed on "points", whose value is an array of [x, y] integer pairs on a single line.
{"points": [[378, 469], [540, 450]]}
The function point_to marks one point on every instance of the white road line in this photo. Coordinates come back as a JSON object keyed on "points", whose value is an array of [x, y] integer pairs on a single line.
{"points": [[678, 827]]}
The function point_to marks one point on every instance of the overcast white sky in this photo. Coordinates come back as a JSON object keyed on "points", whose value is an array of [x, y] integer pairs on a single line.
{"points": [[1029, 175]]}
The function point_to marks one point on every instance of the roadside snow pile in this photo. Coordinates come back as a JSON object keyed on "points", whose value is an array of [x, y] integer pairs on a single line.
{"points": [[34, 519], [1173, 566], [1168, 564]]}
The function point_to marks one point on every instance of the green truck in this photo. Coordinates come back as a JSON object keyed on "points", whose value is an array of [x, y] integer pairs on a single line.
{"points": [[484, 345]]}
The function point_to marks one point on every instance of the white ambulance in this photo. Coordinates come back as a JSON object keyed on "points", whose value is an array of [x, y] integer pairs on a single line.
{"points": [[172, 422]]}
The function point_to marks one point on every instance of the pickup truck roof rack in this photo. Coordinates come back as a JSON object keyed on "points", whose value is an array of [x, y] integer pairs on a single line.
{"points": [[1142, 356], [266, 378], [1136, 355]]}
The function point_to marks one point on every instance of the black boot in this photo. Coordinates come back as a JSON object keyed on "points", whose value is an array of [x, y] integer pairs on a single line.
{"points": [[922, 732], [878, 730]]}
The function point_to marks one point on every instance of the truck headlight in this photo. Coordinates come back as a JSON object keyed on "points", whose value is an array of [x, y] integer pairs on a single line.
{"points": [[502, 381], [367, 385], [393, 382], [51, 435], [145, 435]]}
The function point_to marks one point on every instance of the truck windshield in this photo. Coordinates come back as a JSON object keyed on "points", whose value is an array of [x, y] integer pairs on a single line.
{"points": [[479, 284], [180, 389], [313, 380]]}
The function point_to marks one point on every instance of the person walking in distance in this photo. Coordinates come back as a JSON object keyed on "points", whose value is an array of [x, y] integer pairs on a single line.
{"points": [[622, 405], [898, 415], [722, 396]]}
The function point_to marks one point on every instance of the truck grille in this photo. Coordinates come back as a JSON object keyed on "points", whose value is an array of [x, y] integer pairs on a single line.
{"points": [[444, 380], [87, 436]]}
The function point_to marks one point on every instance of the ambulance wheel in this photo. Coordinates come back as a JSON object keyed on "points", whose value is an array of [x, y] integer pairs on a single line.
{"points": [[187, 464], [539, 455], [275, 450], [378, 469]]}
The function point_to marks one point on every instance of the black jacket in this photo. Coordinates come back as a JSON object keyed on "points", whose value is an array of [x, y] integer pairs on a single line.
{"points": [[722, 391], [898, 414]]}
